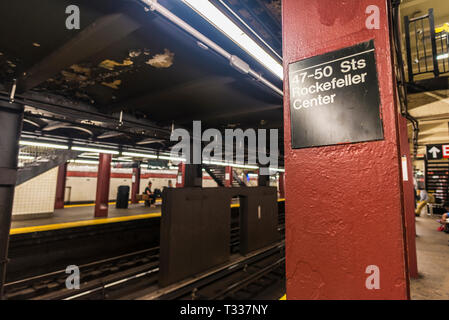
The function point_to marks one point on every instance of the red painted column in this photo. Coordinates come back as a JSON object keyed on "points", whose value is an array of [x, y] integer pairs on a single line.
{"points": [[60, 186], [180, 179], [281, 185], [135, 187], [409, 199], [228, 176], [103, 181], [344, 208]]}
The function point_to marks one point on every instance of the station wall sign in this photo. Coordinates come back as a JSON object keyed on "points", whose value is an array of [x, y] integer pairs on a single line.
{"points": [[334, 98], [437, 151]]}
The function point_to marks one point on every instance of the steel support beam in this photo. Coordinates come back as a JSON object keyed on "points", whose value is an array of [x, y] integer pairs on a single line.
{"points": [[189, 175], [11, 118], [263, 180], [60, 186], [93, 39], [103, 182], [281, 184]]}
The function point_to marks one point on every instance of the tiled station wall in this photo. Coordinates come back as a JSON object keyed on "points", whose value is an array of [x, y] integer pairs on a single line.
{"points": [[36, 196]]}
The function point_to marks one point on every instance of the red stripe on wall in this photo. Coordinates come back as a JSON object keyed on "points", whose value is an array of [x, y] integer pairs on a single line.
{"points": [[88, 174]]}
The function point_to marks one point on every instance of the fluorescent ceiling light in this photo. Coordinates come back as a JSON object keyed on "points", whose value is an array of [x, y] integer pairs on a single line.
{"points": [[139, 155], [243, 166], [84, 161], [95, 150], [42, 144], [172, 158], [443, 56], [209, 12], [225, 164], [277, 169], [26, 157]]}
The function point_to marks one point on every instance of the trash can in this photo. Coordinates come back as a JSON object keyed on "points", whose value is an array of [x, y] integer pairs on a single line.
{"points": [[122, 197]]}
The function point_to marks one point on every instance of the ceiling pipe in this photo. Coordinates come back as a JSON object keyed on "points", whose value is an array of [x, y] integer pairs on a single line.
{"points": [[402, 89]]}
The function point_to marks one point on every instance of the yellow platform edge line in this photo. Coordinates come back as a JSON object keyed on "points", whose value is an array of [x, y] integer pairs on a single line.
{"points": [[85, 223], [284, 297], [92, 204], [112, 203]]}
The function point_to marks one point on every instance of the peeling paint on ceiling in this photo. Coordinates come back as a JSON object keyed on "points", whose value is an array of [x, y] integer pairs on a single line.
{"points": [[111, 64], [114, 84], [162, 60]]}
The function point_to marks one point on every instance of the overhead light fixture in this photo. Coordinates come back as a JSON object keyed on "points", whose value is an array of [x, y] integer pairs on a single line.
{"points": [[277, 169], [226, 164], [26, 157], [140, 155], [84, 161], [42, 144], [443, 56], [95, 150], [215, 17], [124, 159], [172, 158]]}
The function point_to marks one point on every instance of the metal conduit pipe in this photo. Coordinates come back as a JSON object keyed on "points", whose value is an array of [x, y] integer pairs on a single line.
{"points": [[401, 79], [234, 61]]}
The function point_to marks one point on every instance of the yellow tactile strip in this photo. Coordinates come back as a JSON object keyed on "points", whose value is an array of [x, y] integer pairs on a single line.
{"points": [[85, 223]]}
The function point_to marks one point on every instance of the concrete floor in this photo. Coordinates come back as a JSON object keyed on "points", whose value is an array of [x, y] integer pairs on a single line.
{"points": [[82, 213], [433, 261]]}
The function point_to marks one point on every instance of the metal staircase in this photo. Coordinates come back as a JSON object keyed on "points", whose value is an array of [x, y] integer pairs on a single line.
{"points": [[427, 47], [36, 161], [236, 181], [218, 174]]}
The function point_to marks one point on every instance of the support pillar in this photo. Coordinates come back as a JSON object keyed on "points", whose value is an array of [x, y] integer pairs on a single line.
{"points": [[409, 198], [228, 176], [281, 183], [103, 181], [181, 175], [60, 186], [11, 117], [263, 180], [135, 187], [189, 175], [344, 208]]}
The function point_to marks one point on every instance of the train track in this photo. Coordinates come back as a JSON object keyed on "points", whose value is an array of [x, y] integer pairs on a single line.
{"points": [[243, 278], [122, 276]]}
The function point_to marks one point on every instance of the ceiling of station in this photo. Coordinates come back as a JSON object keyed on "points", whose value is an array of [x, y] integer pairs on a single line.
{"points": [[126, 58]]}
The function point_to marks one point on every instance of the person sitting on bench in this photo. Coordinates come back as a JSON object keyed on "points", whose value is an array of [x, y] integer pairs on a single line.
{"points": [[151, 196]]}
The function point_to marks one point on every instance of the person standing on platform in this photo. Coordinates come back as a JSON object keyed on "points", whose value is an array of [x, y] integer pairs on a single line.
{"points": [[423, 200], [170, 184]]}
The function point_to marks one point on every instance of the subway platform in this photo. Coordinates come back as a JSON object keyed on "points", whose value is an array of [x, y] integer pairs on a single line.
{"points": [[433, 256]]}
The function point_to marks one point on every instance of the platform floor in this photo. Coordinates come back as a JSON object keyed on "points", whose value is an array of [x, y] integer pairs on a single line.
{"points": [[433, 261], [82, 213]]}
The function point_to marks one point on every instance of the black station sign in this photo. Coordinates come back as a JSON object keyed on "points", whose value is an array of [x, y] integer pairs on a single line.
{"points": [[334, 98]]}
